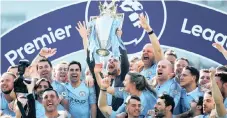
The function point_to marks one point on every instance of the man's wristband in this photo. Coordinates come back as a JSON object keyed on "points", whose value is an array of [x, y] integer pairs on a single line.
{"points": [[42, 56], [104, 90], [150, 33]]}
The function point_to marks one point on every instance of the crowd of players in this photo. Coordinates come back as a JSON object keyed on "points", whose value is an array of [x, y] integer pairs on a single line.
{"points": [[155, 85]]}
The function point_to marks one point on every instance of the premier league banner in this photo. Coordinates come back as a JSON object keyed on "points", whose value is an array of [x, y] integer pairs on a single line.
{"points": [[188, 28]]}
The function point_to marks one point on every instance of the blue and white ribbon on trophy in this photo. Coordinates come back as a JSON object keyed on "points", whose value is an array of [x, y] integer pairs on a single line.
{"points": [[114, 41], [103, 32]]}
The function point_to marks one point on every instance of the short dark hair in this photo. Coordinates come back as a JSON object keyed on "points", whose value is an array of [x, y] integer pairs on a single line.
{"points": [[132, 97], [193, 72], [74, 62], [44, 60], [222, 68], [222, 76], [184, 59], [42, 80], [170, 52], [168, 100], [51, 89]]}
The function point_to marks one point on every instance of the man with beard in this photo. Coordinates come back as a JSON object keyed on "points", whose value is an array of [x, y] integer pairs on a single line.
{"points": [[165, 82], [178, 67], [44, 70], [218, 83], [116, 67], [40, 86], [6, 83], [213, 105], [133, 106], [190, 92], [134, 84], [208, 104], [60, 72], [164, 107], [151, 53], [82, 99], [50, 102]]}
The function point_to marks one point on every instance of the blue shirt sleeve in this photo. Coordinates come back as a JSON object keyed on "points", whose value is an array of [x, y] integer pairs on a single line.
{"points": [[40, 110], [119, 92], [92, 96], [175, 92], [113, 114], [121, 109]]}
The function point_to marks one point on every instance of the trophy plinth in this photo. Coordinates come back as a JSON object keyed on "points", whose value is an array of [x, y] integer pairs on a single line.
{"points": [[102, 52]]}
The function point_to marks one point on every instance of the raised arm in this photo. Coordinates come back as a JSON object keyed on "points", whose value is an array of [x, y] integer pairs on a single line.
{"points": [[124, 58], [221, 49], [81, 28], [216, 94], [102, 102], [153, 38], [97, 70], [44, 53]]}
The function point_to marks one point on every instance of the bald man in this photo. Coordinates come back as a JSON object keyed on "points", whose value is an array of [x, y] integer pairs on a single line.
{"points": [[6, 83], [165, 83], [151, 53]]}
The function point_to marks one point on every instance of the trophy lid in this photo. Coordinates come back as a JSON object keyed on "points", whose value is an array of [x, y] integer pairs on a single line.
{"points": [[106, 8]]}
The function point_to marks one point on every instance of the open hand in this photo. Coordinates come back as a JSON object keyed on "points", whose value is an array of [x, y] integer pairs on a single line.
{"points": [[81, 28], [218, 46], [47, 52], [144, 23]]}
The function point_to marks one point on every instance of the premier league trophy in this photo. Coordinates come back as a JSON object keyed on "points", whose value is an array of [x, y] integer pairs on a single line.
{"points": [[103, 32]]}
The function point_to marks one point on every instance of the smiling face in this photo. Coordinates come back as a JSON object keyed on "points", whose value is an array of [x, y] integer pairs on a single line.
{"points": [[74, 73], [133, 107], [61, 71], [160, 107], [43, 85], [44, 70], [204, 78], [50, 101], [6, 83]]}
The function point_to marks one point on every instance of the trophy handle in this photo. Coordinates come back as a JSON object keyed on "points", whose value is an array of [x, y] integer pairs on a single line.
{"points": [[120, 16]]}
